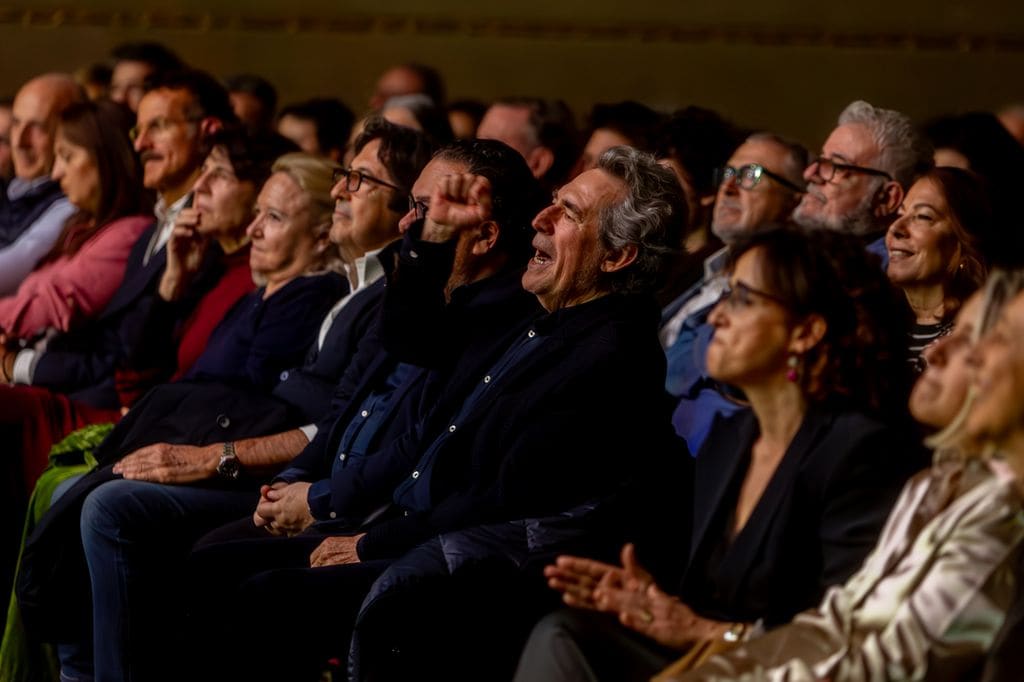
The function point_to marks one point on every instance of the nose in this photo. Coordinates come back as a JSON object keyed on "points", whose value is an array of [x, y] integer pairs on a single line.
{"points": [[811, 173], [339, 192], [142, 140], [58, 169], [934, 354], [717, 316], [20, 135], [254, 228], [407, 220], [898, 228], [544, 221], [202, 183]]}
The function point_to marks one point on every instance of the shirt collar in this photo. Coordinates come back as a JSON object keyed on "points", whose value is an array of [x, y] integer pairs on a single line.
{"points": [[19, 187], [366, 268]]}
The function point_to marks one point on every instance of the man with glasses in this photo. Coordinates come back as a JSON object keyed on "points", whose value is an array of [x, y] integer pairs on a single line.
{"points": [[759, 187], [866, 165]]}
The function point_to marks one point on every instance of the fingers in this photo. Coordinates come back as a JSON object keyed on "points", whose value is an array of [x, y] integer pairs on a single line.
{"points": [[187, 218], [465, 188], [632, 566]]}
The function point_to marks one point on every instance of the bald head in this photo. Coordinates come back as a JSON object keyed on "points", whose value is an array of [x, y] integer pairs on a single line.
{"points": [[35, 113]]}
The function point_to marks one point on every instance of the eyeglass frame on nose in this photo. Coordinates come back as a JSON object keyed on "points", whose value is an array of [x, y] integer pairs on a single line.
{"points": [[726, 173], [418, 208], [159, 126], [849, 167], [347, 174], [737, 294]]}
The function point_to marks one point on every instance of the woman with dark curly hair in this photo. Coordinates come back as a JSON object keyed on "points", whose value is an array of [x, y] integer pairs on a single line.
{"points": [[934, 251], [788, 497]]}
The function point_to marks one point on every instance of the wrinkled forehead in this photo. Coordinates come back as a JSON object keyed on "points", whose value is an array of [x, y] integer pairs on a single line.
{"points": [[163, 102], [851, 143], [592, 191]]}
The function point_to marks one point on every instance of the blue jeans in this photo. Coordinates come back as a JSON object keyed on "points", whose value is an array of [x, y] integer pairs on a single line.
{"points": [[136, 538]]}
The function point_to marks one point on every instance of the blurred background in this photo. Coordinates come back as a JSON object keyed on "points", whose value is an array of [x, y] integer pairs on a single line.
{"points": [[788, 66]]}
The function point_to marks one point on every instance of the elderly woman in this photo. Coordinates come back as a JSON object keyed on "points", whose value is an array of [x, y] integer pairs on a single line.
{"points": [[788, 496], [130, 557], [99, 173], [933, 251], [927, 602]]}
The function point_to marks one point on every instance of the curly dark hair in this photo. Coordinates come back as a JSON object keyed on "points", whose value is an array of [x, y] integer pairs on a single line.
{"points": [[861, 360]]}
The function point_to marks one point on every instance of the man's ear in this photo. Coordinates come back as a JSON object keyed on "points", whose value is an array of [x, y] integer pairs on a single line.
{"points": [[807, 334], [708, 200], [617, 260], [540, 160], [485, 238], [889, 198]]}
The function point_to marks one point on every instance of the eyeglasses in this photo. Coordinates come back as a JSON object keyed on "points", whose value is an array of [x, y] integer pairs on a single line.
{"points": [[420, 208], [738, 295], [158, 126], [748, 175], [827, 169], [354, 180]]}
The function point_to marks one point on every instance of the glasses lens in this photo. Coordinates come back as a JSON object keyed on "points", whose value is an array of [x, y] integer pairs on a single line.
{"points": [[353, 180], [825, 169], [750, 175]]}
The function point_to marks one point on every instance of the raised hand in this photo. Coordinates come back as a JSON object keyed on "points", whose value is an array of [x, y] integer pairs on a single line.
{"points": [[459, 202], [185, 250]]}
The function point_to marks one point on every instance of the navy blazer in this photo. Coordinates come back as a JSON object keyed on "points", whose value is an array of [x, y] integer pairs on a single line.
{"points": [[82, 363], [816, 520], [564, 426]]}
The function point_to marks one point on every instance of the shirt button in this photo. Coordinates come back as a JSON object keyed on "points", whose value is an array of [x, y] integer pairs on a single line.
{"points": [[334, 515], [365, 413], [451, 429], [284, 375], [342, 456], [531, 333], [487, 379], [413, 254], [415, 474], [223, 421]]}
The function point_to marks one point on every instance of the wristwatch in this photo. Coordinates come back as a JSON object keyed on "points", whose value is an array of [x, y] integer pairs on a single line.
{"points": [[229, 467]]}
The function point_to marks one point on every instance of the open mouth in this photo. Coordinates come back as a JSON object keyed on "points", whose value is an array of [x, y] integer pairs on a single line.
{"points": [[899, 254], [541, 257]]}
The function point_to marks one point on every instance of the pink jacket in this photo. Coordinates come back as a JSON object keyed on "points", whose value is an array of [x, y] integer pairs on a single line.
{"points": [[63, 292]]}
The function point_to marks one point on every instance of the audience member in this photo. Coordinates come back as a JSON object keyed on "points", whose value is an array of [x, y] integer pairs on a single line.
{"points": [[420, 113], [136, 67], [94, 80], [805, 330], [977, 142], [254, 101], [32, 208], [865, 168], [408, 79], [6, 159], [1012, 118], [610, 125], [465, 115], [759, 186], [543, 131], [101, 177], [318, 126], [933, 251], [929, 599]]}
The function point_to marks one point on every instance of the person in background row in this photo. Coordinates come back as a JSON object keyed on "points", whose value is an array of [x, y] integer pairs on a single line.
{"points": [[101, 176], [254, 101], [135, 66], [464, 115], [94, 80], [610, 125], [32, 208], [318, 126], [408, 79], [419, 112], [543, 131], [934, 255]]}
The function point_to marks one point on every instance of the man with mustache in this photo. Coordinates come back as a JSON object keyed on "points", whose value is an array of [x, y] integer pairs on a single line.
{"points": [[866, 165], [760, 186]]}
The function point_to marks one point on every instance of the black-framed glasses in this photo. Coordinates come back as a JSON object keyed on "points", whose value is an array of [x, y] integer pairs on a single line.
{"points": [[827, 169], [420, 208], [748, 175], [738, 295], [159, 126], [354, 180]]}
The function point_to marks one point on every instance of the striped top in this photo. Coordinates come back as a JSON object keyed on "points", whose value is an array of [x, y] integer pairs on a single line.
{"points": [[920, 337]]}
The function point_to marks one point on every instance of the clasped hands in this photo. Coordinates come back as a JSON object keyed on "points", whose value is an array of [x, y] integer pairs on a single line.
{"points": [[283, 510], [630, 592]]}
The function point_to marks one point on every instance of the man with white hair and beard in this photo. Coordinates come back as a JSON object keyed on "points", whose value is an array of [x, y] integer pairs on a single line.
{"points": [[866, 165], [759, 187]]}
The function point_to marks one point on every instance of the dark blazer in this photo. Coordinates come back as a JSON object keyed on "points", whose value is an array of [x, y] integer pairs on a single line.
{"points": [[565, 425], [817, 519], [82, 363]]}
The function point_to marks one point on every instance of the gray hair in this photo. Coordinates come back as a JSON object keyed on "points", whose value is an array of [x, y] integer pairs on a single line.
{"points": [[903, 152], [652, 218], [797, 158]]}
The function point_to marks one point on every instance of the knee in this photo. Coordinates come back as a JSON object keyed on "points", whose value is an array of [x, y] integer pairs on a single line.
{"points": [[106, 510]]}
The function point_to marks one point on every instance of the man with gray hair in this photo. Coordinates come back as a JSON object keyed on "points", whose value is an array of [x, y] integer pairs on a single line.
{"points": [[866, 166], [760, 186], [551, 432]]}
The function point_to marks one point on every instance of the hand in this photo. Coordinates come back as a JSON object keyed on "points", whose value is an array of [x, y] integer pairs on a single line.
{"points": [[335, 551], [185, 250], [642, 606], [7, 366], [576, 578], [459, 202], [166, 463], [283, 508]]}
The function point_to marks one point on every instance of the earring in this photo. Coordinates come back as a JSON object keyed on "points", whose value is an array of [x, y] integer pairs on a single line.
{"points": [[792, 362]]}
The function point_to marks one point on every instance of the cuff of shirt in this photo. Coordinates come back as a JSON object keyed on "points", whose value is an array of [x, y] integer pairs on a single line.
{"points": [[319, 500], [310, 431], [25, 366]]}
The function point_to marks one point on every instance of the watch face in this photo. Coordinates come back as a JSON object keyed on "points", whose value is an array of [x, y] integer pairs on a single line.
{"points": [[229, 467]]}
